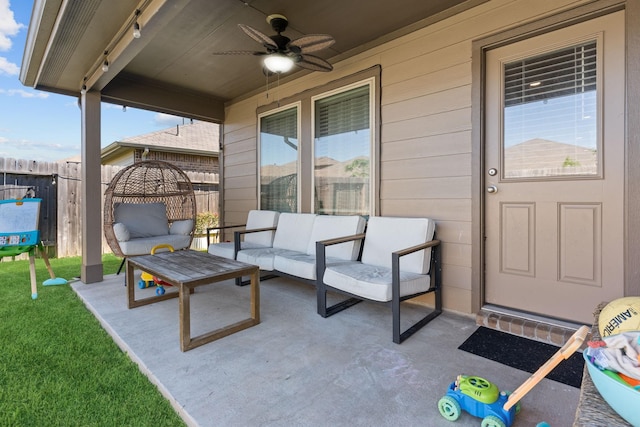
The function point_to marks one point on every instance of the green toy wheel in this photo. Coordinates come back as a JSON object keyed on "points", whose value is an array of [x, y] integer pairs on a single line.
{"points": [[492, 421], [449, 408]]}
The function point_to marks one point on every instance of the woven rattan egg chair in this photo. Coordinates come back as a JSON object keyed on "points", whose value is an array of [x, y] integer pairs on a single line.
{"points": [[146, 204]]}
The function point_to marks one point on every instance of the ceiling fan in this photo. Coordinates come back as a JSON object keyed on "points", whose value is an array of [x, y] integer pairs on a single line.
{"points": [[282, 52]]}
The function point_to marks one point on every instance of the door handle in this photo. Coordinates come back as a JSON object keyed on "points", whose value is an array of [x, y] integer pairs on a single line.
{"points": [[492, 189]]}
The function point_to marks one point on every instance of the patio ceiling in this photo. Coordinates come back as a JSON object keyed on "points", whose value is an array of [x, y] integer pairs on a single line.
{"points": [[172, 66]]}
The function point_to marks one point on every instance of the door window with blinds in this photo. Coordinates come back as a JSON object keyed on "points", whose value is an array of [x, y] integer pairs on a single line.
{"points": [[279, 160], [342, 152], [551, 120]]}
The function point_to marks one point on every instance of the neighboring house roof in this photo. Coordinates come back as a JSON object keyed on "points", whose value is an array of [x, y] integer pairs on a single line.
{"points": [[197, 138]]}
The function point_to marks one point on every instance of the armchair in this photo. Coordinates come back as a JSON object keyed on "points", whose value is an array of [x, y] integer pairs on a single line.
{"points": [[400, 260]]}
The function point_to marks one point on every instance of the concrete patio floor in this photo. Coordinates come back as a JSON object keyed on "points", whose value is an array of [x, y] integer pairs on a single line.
{"points": [[297, 369]]}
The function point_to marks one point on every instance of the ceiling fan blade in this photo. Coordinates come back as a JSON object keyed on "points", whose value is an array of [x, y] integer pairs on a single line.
{"points": [[311, 62], [261, 38], [239, 52], [311, 43]]}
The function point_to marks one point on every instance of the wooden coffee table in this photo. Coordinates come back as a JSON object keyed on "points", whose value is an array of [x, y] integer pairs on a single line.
{"points": [[187, 270]]}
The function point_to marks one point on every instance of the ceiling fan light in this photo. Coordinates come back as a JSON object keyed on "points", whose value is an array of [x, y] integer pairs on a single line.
{"points": [[278, 63]]}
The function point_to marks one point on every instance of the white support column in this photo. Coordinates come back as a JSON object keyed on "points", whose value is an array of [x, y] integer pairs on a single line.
{"points": [[91, 191]]}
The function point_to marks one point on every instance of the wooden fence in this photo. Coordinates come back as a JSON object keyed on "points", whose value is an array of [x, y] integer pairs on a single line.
{"points": [[67, 179]]}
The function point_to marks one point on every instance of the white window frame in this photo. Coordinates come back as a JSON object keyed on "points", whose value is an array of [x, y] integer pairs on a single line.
{"points": [[598, 38], [298, 107], [306, 159], [373, 178]]}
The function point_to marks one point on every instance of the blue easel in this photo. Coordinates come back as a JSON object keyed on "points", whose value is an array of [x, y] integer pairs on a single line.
{"points": [[19, 234]]}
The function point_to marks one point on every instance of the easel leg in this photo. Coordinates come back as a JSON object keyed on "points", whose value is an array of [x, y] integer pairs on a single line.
{"points": [[43, 253], [32, 273]]}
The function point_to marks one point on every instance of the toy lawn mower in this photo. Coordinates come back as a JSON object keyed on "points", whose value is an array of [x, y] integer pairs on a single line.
{"points": [[147, 280], [481, 398]]}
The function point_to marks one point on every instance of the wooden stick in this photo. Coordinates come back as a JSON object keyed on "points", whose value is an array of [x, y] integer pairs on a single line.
{"points": [[32, 273], [567, 350], [43, 253]]}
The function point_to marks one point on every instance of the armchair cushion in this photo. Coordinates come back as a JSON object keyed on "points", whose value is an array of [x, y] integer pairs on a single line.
{"points": [[183, 227], [121, 232], [143, 246], [142, 219], [373, 282], [389, 234]]}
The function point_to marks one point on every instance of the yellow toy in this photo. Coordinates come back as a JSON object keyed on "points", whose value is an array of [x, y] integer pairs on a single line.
{"points": [[147, 280]]}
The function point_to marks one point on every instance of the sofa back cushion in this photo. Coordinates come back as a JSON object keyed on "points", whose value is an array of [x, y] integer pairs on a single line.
{"points": [[294, 231], [332, 226], [389, 234], [142, 219], [261, 219]]}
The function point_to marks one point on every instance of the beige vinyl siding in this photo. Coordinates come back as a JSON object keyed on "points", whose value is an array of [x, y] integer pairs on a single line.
{"points": [[240, 182], [426, 143], [124, 159]]}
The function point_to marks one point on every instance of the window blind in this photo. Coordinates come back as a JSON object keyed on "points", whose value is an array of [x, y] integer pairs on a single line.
{"points": [[282, 123], [341, 113], [563, 72]]}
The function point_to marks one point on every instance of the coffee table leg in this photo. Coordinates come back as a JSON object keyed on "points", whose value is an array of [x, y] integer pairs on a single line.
{"points": [[185, 318], [131, 290], [255, 296]]}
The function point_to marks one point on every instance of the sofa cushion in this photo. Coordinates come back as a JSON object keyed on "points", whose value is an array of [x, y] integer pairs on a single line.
{"points": [[262, 257], [294, 231], [389, 234], [261, 219], [226, 249], [143, 246], [142, 219], [373, 282], [121, 232], [301, 265], [184, 227], [332, 226]]}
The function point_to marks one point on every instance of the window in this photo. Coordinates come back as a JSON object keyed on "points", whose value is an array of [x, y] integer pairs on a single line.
{"points": [[317, 150], [550, 114], [279, 161], [342, 152]]}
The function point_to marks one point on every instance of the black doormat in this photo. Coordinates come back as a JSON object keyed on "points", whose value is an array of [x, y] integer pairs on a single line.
{"points": [[524, 354]]}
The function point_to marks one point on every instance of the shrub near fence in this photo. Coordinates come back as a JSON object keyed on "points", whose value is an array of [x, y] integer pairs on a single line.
{"points": [[68, 179]]}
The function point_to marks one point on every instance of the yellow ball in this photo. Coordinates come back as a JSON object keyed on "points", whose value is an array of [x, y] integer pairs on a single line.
{"points": [[620, 315]]}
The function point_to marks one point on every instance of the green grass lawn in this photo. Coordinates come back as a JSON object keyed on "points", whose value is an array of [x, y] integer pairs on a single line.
{"points": [[58, 367]]}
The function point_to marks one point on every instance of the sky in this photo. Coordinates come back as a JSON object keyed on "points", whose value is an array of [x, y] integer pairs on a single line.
{"points": [[43, 126]]}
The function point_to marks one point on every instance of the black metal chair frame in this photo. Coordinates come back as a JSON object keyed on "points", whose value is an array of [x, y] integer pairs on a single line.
{"points": [[435, 273], [237, 241]]}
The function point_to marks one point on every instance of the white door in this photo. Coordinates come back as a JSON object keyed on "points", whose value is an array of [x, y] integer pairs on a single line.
{"points": [[554, 171]]}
